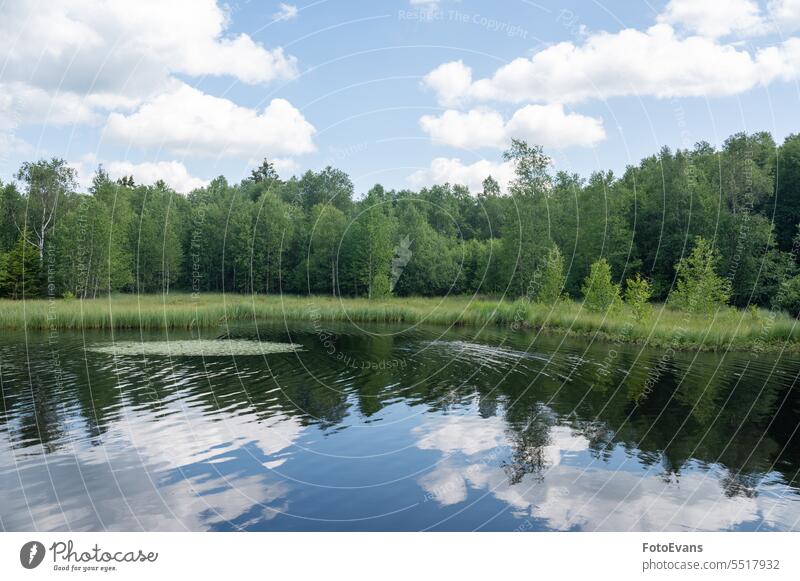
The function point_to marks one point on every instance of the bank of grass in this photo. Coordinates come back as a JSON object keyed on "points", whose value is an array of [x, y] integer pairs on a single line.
{"points": [[666, 327]]}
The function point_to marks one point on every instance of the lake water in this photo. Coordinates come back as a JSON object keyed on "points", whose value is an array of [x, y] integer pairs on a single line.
{"points": [[380, 428]]}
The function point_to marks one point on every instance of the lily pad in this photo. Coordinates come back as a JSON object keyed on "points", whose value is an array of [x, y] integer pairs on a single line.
{"points": [[194, 348]]}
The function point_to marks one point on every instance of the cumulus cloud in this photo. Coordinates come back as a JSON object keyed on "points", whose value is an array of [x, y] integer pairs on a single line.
{"points": [[656, 62], [785, 14], [285, 12], [187, 121], [453, 171], [547, 125], [93, 56], [714, 19], [89, 39], [451, 81], [477, 128], [743, 18], [22, 103], [173, 173]]}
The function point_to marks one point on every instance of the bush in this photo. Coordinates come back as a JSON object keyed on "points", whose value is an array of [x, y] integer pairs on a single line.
{"points": [[381, 287], [637, 295], [699, 288], [788, 296], [599, 291], [552, 277]]}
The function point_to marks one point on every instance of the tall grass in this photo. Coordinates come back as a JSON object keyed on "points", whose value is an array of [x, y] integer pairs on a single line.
{"points": [[727, 329]]}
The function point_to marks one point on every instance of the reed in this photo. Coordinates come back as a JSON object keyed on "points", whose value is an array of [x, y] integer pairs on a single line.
{"points": [[727, 329]]}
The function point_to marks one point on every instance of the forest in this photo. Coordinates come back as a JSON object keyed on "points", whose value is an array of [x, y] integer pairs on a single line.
{"points": [[707, 226]]}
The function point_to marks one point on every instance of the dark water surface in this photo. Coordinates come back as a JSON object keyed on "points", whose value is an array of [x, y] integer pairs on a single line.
{"points": [[377, 429]]}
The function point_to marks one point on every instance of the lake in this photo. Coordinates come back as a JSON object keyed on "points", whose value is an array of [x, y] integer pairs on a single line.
{"points": [[383, 428]]}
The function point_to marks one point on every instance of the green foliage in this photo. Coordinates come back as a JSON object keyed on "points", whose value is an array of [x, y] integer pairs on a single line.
{"points": [[786, 205], [19, 270], [637, 296], [206, 310], [47, 184], [530, 166], [699, 289], [552, 280], [313, 234], [600, 292], [380, 287], [788, 297]]}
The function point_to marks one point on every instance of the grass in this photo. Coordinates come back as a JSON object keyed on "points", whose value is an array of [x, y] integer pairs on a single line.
{"points": [[666, 327]]}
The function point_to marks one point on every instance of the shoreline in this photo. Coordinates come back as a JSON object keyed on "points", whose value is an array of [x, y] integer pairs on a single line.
{"points": [[729, 329]]}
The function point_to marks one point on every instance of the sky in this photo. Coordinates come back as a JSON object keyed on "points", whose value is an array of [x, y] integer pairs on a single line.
{"points": [[406, 93]]}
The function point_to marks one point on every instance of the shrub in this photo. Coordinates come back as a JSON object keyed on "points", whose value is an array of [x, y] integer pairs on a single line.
{"points": [[599, 291], [637, 295], [381, 286], [552, 277], [699, 288], [788, 296]]}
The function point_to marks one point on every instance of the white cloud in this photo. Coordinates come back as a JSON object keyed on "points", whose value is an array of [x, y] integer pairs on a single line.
{"points": [[656, 62], [83, 43], [466, 434], [285, 12], [173, 173], [477, 128], [743, 18], [187, 121], [567, 496], [70, 61], [453, 171], [12, 145], [781, 62], [547, 125], [24, 103], [451, 81], [715, 19], [786, 14], [285, 166]]}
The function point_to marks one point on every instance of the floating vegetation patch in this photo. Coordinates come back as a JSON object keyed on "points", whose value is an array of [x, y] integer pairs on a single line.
{"points": [[194, 348]]}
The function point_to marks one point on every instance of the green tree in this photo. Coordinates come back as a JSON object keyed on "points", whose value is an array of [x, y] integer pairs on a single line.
{"points": [[19, 271], [552, 280], [46, 185], [787, 202], [637, 296], [11, 213], [699, 288], [328, 225], [599, 290], [264, 173], [788, 296], [530, 167], [370, 244]]}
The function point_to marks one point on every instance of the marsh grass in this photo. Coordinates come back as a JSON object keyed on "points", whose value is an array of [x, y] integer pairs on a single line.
{"points": [[665, 327]]}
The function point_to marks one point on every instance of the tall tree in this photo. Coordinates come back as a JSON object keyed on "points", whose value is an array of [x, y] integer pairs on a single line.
{"points": [[46, 185]]}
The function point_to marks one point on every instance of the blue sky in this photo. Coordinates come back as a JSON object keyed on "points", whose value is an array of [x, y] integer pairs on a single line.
{"points": [[405, 92]]}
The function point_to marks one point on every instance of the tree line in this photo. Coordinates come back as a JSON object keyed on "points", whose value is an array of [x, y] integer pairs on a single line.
{"points": [[731, 213]]}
